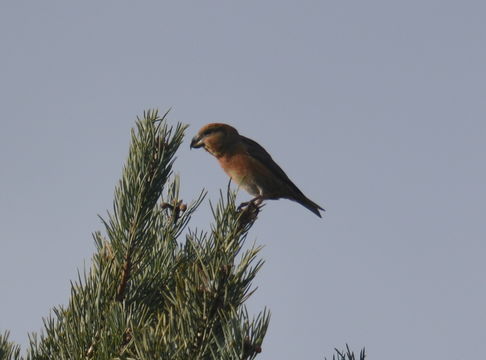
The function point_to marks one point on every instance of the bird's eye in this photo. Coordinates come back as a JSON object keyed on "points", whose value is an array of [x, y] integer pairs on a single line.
{"points": [[210, 131]]}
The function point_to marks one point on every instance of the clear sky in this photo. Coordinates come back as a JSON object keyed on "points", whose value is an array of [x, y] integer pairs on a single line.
{"points": [[376, 110]]}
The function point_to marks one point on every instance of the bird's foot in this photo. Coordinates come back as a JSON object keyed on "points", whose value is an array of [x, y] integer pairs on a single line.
{"points": [[243, 205], [255, 202], [248, 213]]}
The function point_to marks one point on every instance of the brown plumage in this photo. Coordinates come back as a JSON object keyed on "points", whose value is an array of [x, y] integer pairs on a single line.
{"points": [[250, 165]]}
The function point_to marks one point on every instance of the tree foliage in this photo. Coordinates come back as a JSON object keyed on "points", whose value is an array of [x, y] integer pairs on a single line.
{"points": [[8, 350], [348, 354], [156, 289]]}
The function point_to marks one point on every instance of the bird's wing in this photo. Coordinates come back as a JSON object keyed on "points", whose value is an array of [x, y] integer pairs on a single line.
{"points": [[257, 152]]}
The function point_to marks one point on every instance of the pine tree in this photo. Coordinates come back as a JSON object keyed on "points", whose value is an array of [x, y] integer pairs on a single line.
{"points": [[157, 289]]}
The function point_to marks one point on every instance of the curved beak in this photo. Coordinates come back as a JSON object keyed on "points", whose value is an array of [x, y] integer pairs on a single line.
{"points": [[196, 142]]}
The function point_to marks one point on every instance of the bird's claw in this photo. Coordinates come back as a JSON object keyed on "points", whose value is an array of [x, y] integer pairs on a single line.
{"points": [[256, 202], [243, 205], [248, 212]]}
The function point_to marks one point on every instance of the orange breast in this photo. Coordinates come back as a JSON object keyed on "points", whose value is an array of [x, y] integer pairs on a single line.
{"points": [[239, 167]]}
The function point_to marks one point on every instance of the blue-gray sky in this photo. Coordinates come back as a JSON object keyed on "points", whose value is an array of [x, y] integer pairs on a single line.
{"points": [[376, 109]]}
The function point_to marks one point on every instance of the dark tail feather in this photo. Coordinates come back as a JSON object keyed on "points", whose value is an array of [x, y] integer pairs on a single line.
{"points": [[309, 204]]}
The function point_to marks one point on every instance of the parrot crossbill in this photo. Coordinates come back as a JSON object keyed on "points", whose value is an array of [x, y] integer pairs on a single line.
{"points": [[249, 165]]}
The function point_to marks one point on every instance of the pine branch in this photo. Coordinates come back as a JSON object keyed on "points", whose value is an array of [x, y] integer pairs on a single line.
{"points": [[8, 350], [348, 354]]}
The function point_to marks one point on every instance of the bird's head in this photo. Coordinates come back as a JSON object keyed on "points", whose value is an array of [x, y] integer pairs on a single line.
{"points": [[216, 138]]}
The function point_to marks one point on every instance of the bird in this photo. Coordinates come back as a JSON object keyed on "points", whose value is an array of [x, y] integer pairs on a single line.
{"points": [[249, 165]]}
